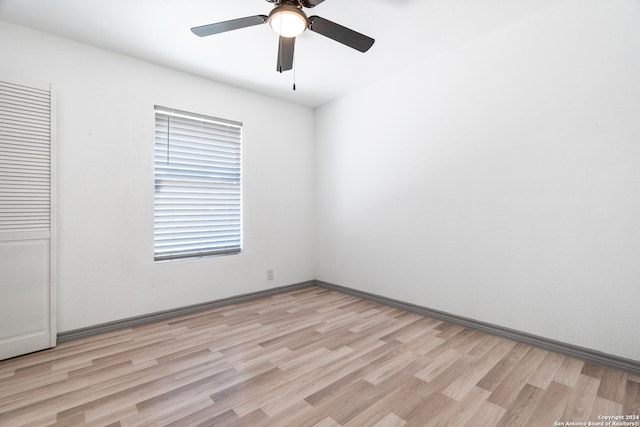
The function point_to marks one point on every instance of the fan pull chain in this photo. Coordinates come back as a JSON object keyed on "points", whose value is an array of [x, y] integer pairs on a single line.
{"points": [[280, 55], [294, 73]]}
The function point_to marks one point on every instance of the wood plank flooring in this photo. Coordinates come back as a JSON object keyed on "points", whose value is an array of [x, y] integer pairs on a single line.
{"points": [[312, 357]]}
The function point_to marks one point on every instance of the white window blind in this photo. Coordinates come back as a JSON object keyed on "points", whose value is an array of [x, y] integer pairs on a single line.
{"points": [[197, 185], [25, 157]]}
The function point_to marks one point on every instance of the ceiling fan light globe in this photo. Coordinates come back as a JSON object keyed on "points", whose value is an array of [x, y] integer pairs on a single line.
{"points": [[288, 21]]}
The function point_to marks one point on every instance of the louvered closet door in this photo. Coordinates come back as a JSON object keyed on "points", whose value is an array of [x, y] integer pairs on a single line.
{"points": [[27, 232]]}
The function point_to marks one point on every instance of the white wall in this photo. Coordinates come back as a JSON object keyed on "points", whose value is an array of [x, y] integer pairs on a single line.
{"points": [[500, 181], [105, 136]]}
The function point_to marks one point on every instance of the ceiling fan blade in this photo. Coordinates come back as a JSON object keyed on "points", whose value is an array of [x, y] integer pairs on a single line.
{"points": [[285, 53], [340, 34], [311, 3], [234, 24]]}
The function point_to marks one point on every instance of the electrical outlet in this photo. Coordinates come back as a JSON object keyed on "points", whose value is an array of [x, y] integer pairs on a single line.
{"points": [[270, 274]]}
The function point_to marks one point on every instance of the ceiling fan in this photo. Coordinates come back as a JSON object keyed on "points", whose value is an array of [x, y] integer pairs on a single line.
{"points": [[289, 21]]}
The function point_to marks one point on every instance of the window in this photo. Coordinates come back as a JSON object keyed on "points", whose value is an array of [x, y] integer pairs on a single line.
{"points": [[197, 185]]}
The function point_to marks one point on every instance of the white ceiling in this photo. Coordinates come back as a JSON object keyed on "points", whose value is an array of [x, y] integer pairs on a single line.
{"points": [[158, 31]]}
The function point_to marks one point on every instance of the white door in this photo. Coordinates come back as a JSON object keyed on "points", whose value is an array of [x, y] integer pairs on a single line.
{"points": [[27, 219]]}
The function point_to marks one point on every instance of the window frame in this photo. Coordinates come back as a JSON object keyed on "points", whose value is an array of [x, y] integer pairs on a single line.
{"points": [[197, 185]]}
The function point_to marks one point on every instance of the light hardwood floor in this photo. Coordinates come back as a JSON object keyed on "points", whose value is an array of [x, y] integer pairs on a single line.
{"points": [[304, 358]]}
